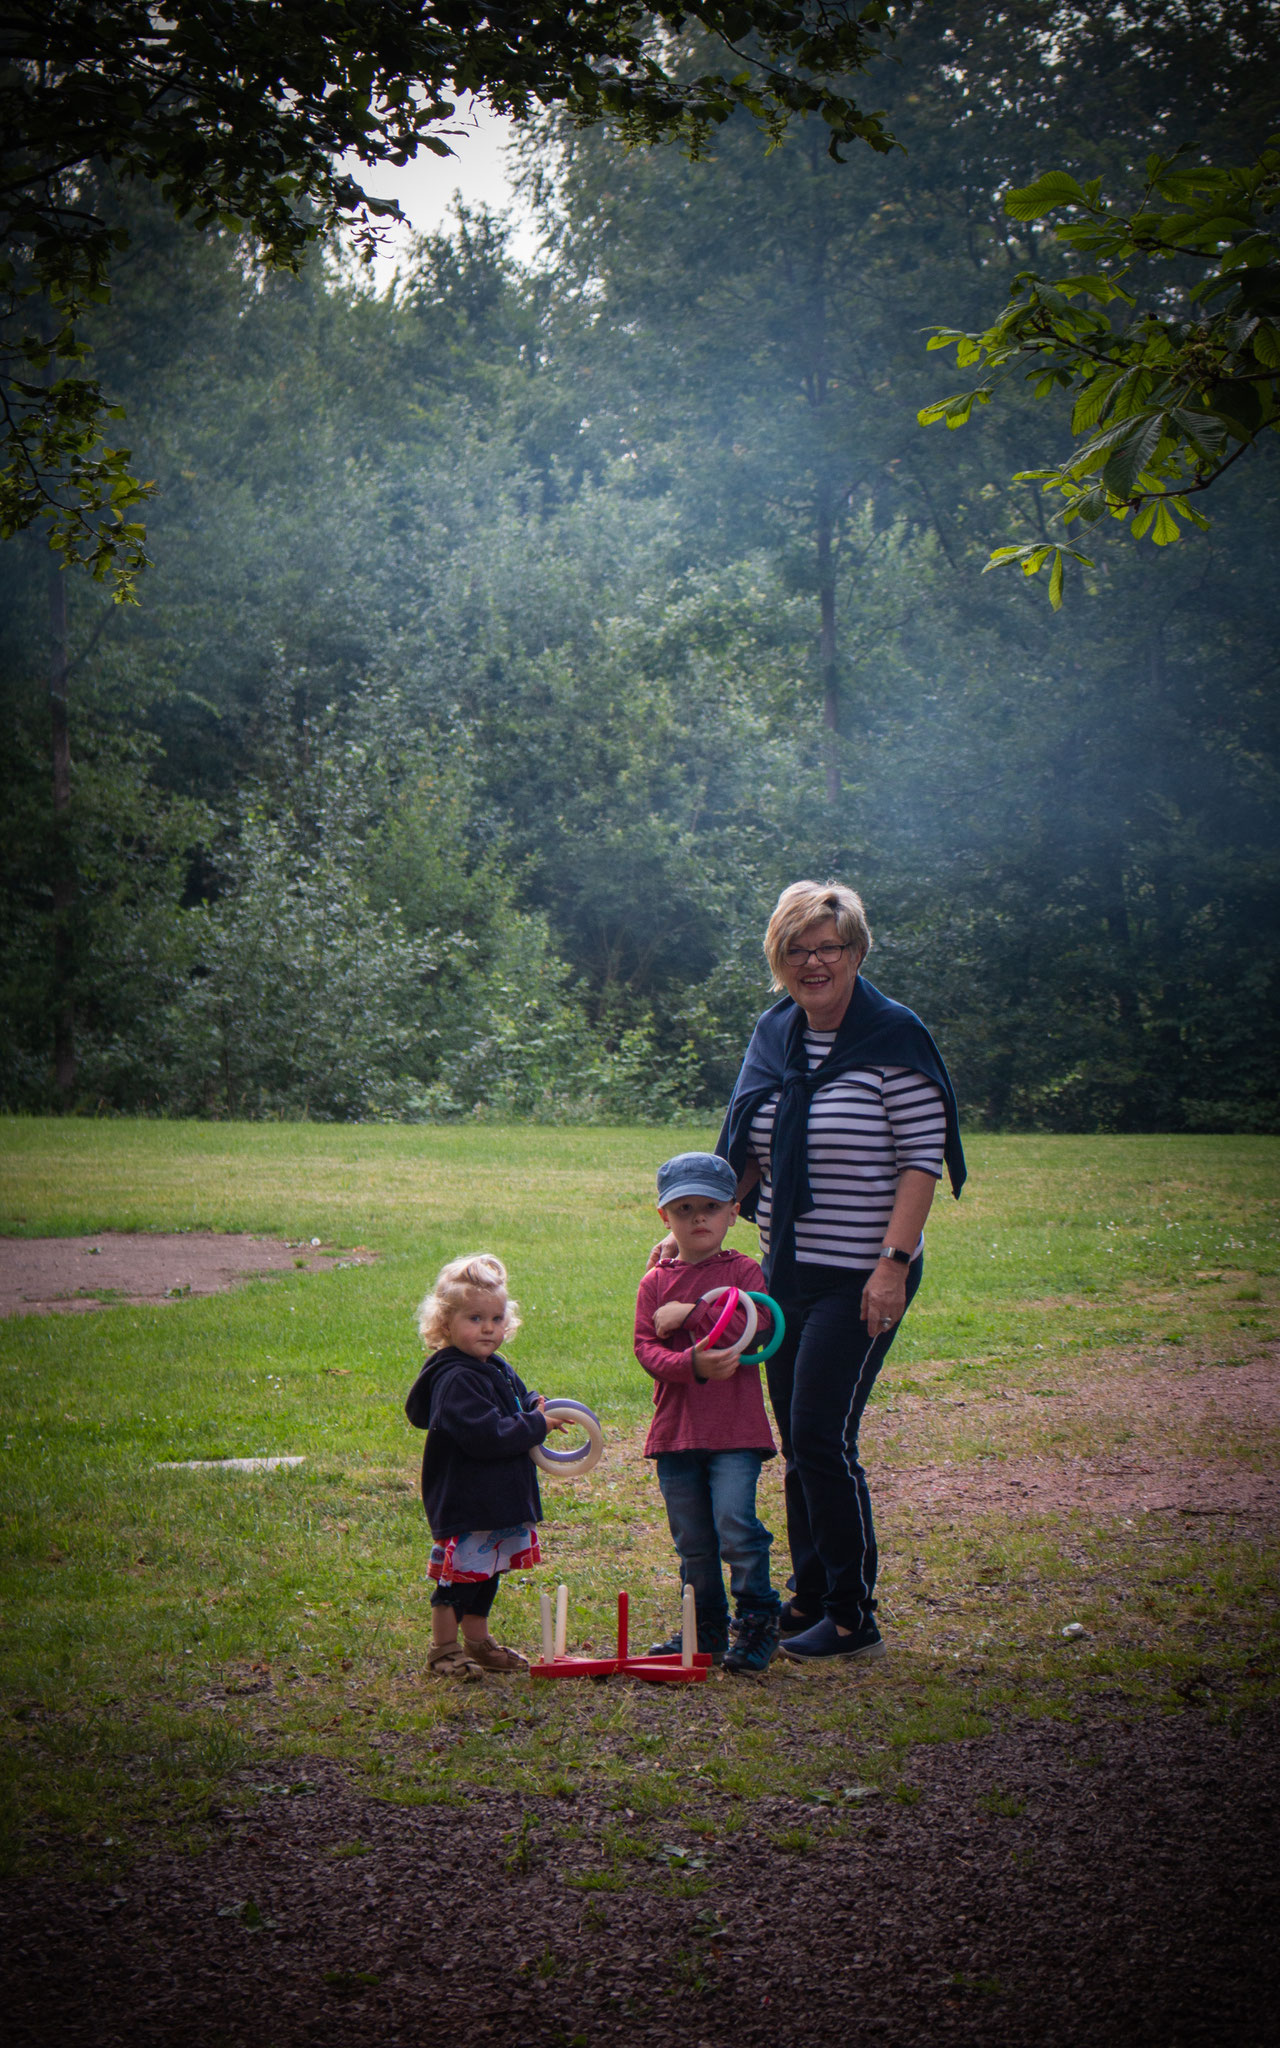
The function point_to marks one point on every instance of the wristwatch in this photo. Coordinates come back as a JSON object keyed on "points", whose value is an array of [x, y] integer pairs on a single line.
{"points": [[890, 1251]]}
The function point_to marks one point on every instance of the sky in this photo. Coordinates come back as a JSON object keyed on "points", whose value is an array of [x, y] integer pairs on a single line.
{"points": [[425, 188]]}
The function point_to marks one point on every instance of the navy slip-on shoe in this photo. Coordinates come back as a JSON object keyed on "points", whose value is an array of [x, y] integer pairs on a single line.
{"points": [[825, 1640]]}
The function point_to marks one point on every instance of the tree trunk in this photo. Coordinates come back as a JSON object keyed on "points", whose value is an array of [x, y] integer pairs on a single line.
{"points": [[827, 660], [816, 389], [64, 878]]}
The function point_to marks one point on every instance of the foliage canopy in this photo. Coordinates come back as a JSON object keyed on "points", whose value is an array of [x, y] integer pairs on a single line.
{"points": [[248, 116], [505, 630], [1173, 391]]}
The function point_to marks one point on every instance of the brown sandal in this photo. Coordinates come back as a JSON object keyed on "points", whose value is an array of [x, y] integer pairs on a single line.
{"points": [[496, 1657], [454, 1660]]}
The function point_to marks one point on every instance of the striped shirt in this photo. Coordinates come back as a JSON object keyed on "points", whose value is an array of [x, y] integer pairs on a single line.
{"points": [[865, 1128]]}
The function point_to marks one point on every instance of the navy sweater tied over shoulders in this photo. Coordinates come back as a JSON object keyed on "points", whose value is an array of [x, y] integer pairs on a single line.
{"points": [[476, 1468], [874, 1032]]}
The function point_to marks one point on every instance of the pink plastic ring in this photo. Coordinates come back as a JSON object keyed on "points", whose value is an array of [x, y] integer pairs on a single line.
{"points": [[722, 1322], [739, 1298]]}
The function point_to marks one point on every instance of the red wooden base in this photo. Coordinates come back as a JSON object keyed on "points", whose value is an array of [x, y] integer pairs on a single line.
{"points": [[575, 1667], [657, 1670], [669, 1670]]}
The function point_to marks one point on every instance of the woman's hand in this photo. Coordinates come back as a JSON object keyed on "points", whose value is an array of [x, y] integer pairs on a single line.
{"points": [[666, 1248], [673, 1315], [884, 1298], [552, 1421]]}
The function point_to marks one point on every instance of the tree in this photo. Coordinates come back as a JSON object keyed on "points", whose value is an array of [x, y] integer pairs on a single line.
{"points": [[244, 116], [1169, 395], [1066, 841], [749, 328], [110, 869], [546, 553]]}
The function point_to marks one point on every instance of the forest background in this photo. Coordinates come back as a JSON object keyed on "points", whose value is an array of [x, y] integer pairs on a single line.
{"points": [[514, 634]]}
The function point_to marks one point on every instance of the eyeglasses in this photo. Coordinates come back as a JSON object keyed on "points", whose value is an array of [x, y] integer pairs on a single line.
{"points": [[800, 956]]}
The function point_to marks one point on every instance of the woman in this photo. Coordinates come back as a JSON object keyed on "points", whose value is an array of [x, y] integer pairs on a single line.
{"points": [[838, 1129]]}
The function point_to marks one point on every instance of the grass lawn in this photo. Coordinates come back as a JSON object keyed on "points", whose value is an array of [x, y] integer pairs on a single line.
{"points": [[161, 1632]]}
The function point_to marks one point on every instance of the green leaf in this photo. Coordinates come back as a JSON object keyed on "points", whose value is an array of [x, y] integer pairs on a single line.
{"points": [[1239, 406], [1055, 581], [1131, 456], [1088, 505], [1101, 447], [1091, 404], [1266, 345], [1166, 526], [1099, 288], [1054, 188], [1204, 430], [1254, 249], [1219, 228]]}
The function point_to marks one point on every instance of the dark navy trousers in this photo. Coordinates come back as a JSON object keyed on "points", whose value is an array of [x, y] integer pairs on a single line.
{"points": [[819, 1380]]}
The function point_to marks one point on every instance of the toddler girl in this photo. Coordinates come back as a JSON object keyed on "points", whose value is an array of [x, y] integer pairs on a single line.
{"points": [[479, 1484]]}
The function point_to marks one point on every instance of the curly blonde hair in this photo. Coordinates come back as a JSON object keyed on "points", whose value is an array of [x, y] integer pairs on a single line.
{"points": [[474, 1273]]}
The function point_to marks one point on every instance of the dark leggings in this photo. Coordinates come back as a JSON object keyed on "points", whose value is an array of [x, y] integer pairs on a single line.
{"points": [[819, 1380], [475, 1597]]}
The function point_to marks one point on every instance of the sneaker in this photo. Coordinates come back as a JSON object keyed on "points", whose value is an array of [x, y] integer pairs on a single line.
{"points": [[755, 1641], [825, 1640], [709, 1645]]}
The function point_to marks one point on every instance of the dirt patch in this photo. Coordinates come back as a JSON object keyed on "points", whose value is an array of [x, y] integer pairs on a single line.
{"points": [[906, 1445], [1068, 1485], [1200, 1394], [1109, 1885], [1041, 1486], [43, 1275], [1143, 1419]]}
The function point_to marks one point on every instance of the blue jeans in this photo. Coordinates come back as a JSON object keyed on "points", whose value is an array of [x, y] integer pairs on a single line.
{"points": [[711, 1508]]}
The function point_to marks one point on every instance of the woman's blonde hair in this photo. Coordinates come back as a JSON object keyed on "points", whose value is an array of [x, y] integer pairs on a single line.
{"points": [[808, 903], [475, 1273]]}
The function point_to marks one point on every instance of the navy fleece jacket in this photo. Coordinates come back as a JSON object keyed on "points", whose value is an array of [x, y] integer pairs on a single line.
{"points": [[476, 1468]]}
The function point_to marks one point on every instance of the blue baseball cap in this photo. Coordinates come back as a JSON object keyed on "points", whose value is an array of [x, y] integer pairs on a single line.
{"points": [[696, 1173]]}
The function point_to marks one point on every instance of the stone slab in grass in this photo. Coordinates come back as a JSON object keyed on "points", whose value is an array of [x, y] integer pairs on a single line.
{"points": [[226, 1464]]}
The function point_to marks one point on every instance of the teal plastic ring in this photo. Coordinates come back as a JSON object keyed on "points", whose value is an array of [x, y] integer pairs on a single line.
{"points": [[779, 1329]]}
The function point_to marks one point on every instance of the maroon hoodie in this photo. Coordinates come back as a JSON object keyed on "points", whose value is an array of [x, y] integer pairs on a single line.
{"points": [[692, 1414]]}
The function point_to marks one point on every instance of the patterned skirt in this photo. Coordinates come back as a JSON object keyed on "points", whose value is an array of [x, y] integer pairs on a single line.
{"points": [[465, 1560]]}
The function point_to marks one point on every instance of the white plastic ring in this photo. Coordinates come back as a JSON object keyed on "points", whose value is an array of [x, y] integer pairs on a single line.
{"points": [[751, 1313], [571, 1464]]}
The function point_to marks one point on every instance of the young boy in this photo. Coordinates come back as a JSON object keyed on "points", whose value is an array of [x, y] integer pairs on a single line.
{"points": [[710, 1434]]}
